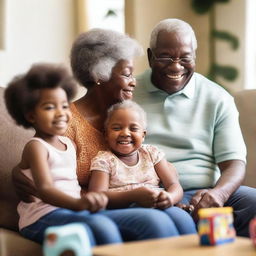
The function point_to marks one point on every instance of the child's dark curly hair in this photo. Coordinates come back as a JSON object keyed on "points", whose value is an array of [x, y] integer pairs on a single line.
{"points": [[23, 92]]}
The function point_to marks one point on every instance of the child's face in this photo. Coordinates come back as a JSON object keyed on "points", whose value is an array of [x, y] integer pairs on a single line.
{"points": [[51, 114], [125, 132]]}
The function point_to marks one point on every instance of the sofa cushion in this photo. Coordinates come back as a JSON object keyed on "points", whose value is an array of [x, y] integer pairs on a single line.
{"points": [[246, 105], [12, 141]]}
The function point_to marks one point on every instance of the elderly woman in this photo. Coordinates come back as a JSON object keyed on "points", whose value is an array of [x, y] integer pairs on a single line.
{"points": [[102, 62]]}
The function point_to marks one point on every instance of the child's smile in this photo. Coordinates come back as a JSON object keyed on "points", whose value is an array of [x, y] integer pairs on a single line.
{"points": [[125, 133]]}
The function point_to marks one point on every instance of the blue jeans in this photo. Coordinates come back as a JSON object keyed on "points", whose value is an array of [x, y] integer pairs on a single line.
{"points": [[100, 229], [138, 223], [243, 201], [182, 220]]}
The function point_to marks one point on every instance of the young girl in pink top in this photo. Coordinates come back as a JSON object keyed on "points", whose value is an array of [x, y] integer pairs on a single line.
{"points": [[40, 99], [137, 170]]}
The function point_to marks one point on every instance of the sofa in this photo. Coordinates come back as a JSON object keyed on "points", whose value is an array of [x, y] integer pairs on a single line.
{"points": [[246, 105], [12, 141]]}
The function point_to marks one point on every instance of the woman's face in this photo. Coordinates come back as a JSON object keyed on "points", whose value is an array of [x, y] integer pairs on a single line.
{"points": [[121, 84]]}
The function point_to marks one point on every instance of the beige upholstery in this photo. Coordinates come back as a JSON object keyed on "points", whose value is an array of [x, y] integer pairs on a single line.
{"points": [[246, 104], [12, 140]]}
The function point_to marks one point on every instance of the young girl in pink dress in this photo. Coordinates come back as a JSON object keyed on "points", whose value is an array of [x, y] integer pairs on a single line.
{"points": [[136, 170]]}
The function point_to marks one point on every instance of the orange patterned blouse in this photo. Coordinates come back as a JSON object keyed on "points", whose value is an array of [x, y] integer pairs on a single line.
{"points": [[88, 141]]}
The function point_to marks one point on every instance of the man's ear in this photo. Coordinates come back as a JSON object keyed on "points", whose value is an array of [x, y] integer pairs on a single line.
{"points": [[149, 53], [30, 117]]}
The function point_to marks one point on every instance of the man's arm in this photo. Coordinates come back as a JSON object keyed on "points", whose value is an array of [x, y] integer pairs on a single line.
{"points": [[232, 175]]}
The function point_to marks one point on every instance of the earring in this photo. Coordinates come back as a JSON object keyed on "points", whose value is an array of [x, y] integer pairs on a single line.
{"points": [[98, 83]]}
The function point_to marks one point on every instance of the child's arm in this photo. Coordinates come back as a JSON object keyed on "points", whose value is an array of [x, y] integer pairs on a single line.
{"points": [[173, 191], [35, 156], [143, 196]]}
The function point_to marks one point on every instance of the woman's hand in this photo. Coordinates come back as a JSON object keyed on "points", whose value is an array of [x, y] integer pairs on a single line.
{"points": [[93, 201], [186, 207], [24, 187]]}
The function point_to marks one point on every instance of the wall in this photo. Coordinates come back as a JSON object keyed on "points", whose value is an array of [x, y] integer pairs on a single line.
{"points": [[35, 30]]}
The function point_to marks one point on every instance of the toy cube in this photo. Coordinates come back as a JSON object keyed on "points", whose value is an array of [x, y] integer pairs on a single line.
{"points": [[215, 226], [252, 229], [70, 239]]}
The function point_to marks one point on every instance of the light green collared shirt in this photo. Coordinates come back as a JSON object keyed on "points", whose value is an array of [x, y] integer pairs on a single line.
{"points": [[196, 127]]}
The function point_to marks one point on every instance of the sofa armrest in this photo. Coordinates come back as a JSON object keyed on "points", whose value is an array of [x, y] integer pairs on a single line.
{"points": [[12, 243]]}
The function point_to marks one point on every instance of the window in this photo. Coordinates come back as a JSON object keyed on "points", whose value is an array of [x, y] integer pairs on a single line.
{"points": [[2, 24]]}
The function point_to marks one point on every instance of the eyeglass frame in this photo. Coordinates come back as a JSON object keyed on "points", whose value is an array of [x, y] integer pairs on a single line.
{"points": [[166, 60]]}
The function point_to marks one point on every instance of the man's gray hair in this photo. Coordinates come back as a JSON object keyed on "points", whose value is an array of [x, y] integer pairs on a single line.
{"points": [[96, 52], [172, 25], [124, 105]]}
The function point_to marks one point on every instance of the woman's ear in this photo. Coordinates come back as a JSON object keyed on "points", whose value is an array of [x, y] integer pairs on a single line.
{"points": [[144, 134], [105, 134]]}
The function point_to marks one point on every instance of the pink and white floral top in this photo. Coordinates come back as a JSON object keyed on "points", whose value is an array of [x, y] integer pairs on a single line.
{"points": [[124, 177]]}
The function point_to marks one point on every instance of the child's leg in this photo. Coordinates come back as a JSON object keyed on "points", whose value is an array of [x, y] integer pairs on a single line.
{"points": [[100, 229], [183, 221], [36, 230], [142, 223]]}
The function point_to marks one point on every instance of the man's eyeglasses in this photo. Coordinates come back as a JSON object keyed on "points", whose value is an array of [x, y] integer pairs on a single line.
{"points": [[166, 60]]}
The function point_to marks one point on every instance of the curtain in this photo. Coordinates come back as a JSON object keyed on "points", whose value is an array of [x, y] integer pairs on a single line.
{"points": [[81, 16]]}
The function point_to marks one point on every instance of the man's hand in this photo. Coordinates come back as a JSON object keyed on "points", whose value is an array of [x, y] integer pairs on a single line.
{"points": [[164, 200], [94, 201], [23, 186], [206, 198]]}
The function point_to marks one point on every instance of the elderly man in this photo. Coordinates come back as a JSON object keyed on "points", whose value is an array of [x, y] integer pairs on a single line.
{"points": [[195, 121]]}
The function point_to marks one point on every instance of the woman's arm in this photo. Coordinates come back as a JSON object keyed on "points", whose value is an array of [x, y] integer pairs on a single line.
{"points": [[143, 196], [24, 187], [173, 191], [37, 158]]}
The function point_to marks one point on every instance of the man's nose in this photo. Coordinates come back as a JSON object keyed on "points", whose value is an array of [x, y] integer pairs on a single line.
{"points": [[175, 65]]}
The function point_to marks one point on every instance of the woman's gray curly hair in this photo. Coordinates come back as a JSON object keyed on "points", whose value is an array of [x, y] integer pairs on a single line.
{"points": [[96, 52], [124, 105], [173, 25]]}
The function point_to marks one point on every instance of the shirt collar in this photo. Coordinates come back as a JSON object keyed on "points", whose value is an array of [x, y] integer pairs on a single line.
{"points": [[188, 90]]}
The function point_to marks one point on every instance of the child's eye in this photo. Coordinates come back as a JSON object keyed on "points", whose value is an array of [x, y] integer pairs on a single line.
{"points": [[49, 107], [65, 106], [134, 129], [116, 128]]}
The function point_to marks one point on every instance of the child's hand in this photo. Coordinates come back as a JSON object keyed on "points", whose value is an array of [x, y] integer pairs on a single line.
{"points": [[164, 200], [94, 201], [145, 197]]}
